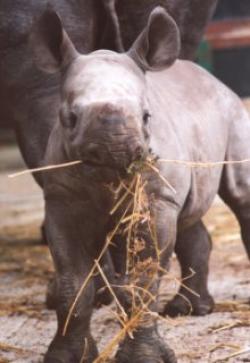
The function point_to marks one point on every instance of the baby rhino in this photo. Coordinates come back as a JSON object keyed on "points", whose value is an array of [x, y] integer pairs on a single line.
{"points": [[123, 109]]}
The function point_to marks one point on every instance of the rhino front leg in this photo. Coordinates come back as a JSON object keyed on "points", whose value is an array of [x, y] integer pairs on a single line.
{"points": [[102, 294], [193, 247], [73, 251], [147, 346]]}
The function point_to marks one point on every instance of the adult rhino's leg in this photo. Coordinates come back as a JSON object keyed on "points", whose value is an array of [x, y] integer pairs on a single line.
{"points": [[193, 247], [73, 248], [146, 346], [235, 181], [35, 114], [192, 20], [102, 293], [238, 200], [34, 119]]}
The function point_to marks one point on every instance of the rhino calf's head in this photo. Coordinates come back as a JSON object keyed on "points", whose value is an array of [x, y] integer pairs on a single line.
{"points": [[104, 112]]}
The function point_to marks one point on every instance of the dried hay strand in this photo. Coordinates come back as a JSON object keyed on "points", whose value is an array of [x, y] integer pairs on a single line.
{"points": [[149, 160], [228, 326], [131, 325], [45, 168], [233, 355], [120, 307], [205, 164], [85, 352], [131, 202], [12, 348], [224, 345], [241, 319], [232, 306]]}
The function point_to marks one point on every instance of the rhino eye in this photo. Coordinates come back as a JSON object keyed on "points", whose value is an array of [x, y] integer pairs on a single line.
{"points": [[146, 118]]}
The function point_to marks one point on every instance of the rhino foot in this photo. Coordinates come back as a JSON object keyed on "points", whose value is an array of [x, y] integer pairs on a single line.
{"points": [[75, 353], [145, 348], [197, 306]]}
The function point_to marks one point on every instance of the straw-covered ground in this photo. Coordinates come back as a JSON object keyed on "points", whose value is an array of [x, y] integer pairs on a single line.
{"points": [[26, 327]]}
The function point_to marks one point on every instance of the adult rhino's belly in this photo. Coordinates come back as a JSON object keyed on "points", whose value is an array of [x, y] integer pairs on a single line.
{"points": [[204, 187]]}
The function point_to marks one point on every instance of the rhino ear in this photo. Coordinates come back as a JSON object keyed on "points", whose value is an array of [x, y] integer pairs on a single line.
{"points": [[51, 46], [158, 46]]}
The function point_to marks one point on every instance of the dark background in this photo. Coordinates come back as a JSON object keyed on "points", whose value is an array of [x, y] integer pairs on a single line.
{"points": [[232, 66]]}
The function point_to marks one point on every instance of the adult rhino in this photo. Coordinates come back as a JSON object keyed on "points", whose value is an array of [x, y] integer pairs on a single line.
{"points": [[116, 109]]}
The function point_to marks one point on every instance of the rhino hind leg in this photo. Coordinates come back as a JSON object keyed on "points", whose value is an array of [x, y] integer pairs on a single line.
{"points": [[44, 240], [51, 294], [235, 181], [242, 213], [193, 247], [245, 233]]}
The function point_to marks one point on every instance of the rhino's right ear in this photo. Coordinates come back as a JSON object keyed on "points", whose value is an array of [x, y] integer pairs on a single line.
{"points": [[158, 46], [51, 46]]}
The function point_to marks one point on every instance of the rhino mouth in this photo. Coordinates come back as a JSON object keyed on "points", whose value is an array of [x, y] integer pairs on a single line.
{"points": [[96, 157], [119, 165]]}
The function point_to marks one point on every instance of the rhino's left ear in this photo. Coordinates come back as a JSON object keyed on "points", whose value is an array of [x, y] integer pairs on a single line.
{"points": [[51, 46], [158, 46]]}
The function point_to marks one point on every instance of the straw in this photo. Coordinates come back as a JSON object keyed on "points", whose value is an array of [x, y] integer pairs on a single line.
{"points": [[44, 168]]}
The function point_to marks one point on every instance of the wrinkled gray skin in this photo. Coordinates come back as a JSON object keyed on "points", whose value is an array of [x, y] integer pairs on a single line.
{"points": [[106, 98]]}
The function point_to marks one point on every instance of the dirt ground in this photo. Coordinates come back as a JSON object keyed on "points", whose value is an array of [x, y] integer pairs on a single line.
{"points": [[26, 327]]}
